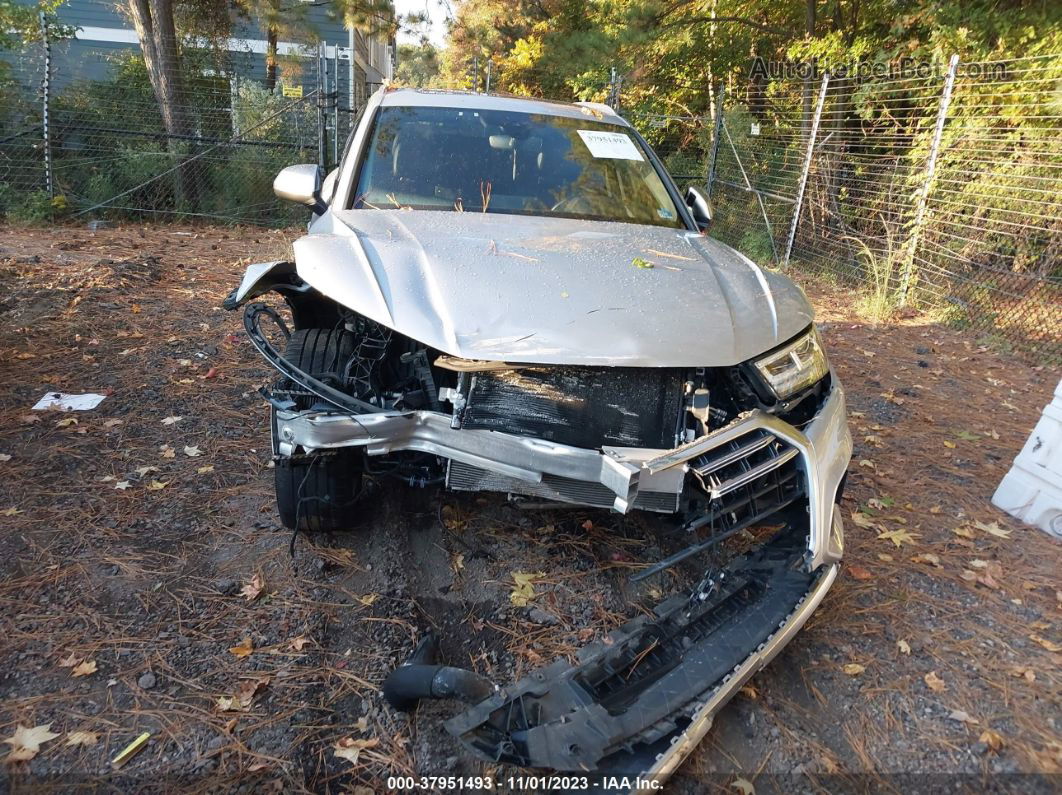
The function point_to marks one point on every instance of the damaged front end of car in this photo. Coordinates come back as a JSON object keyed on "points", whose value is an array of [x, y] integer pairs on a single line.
{"points": [[713, 447]]}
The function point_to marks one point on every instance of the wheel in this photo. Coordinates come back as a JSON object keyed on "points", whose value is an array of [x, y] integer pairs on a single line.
{"points": [[318, 492]]}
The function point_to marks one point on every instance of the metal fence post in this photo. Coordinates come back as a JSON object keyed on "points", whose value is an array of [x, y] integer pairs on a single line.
{"points": [[46, 91], [322, 133], [907, 274], [803, 183], [717, 131]]}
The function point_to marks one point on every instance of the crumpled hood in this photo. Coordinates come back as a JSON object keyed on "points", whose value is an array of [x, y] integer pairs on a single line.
{"points": [[551, 290]]}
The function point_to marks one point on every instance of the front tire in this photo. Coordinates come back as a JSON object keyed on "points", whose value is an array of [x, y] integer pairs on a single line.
{"points": [[317, 493]]}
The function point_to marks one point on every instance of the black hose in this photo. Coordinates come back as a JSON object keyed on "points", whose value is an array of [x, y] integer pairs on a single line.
{"points": [[419, 677]]}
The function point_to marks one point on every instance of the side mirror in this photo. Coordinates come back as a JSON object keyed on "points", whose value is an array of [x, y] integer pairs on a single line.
{"points": [[700, 208], [301, 184]]}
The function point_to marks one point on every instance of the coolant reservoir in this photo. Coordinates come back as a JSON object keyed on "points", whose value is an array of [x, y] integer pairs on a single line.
{"points": [[1032, 490]]}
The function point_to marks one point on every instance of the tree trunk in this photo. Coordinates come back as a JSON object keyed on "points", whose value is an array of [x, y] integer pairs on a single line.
{"points": [[155, 28], [271, 58]]}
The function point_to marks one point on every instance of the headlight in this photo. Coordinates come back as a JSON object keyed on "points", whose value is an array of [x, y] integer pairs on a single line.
{"points": [[796, 366]]}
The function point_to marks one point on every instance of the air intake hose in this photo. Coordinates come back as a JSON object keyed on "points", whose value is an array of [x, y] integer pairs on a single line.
{"points": [[419, 677]]}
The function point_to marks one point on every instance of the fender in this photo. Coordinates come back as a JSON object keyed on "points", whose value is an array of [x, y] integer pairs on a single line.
{"points": [[259, 279], [309, 308]]}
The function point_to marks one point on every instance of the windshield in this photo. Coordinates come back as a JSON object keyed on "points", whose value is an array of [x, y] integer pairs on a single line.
{"points": [[473, 160]]}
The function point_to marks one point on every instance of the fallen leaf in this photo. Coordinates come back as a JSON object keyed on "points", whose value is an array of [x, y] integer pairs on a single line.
{"points": [[993, 529], [1047, 644], [524, 590], [156, 485], [184, 362], [135, 309], [350, 748], [248, 689], [171, 420], [934, 682], [112, 423], [928, 558], [992, 739], [192, 452], [206, 469], [965, 532], [122, 485], [253, 588], [29, 419], [862, 520], [26, 743], [966, 436], [226, 703], [166, 451], [245, 649], [883, 556], [10, 512], [66, 422], [298, 643], [898, 537], [750, 692], [141, 471], [5, 457], [82, 738], [1028, 674], [86, 668], [962, 717], [69, 662], [903, 646], [853, 669], [859, 573], [867, 464], [457, 561], [744, 786], [950, 445]]}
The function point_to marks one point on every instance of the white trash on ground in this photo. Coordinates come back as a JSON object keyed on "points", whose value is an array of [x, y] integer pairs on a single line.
{"points": [[1032, 490], [64, 402]]}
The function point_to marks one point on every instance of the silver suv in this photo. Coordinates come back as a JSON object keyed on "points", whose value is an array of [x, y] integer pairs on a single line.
{"points": [[512, 295]]}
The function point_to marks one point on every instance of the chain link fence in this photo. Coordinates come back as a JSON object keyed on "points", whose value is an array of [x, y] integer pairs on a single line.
{"points": [[81, 134], [938, 188]]}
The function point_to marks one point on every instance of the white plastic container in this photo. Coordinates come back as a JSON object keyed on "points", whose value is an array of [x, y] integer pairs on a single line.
{"points": [[1032, 490]]}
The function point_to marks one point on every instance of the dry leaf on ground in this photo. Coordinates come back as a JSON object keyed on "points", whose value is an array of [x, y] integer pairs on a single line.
{"points": [[898, 537], [903, 646], [26, 742], [853, 669], [82, 738], [245, 649], [253, 589], [350, 748], [524, 590], [86, 668], [934, 682]]}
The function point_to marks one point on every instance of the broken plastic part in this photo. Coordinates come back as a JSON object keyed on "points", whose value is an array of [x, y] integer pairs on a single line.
{"points": [[419, 678]]}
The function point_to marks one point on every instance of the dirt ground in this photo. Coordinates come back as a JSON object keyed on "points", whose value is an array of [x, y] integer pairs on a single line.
{"points": [[146, 584]]}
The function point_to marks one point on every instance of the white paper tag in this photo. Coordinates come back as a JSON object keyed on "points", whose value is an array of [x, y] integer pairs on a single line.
{"points": [[610, 145], [64, 402]]}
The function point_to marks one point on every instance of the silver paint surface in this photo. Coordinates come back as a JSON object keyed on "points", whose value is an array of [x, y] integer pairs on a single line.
{"points": [[544, 290]]}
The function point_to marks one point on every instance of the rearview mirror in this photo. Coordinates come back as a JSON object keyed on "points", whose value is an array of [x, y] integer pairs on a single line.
{"points": [[301, 184], [700, 208]]}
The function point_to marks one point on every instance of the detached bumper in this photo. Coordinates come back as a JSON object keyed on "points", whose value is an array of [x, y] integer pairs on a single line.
{"points": [[638, 703]]}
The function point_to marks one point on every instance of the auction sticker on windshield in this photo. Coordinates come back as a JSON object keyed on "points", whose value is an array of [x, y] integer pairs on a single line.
{"points": [[611, 145]]}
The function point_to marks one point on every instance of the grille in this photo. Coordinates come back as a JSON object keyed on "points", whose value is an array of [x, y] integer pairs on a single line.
{"points": [[747, 480], [463, 477]]}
